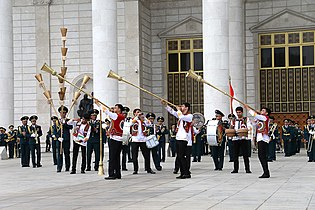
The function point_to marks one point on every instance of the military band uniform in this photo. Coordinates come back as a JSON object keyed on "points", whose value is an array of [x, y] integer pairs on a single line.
{"points": [[3, 137], [24, 135], [217, 152], [274, 138], [310, 140], [12, 141], [36, 133], [93, 144], [299, 137], [48, 143], [54, 133], [287, 136], [161, 131], [197, 144]]}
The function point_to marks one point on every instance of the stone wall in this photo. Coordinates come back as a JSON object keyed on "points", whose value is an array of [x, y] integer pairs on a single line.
{"points": [[255, 12], [164, 14]]}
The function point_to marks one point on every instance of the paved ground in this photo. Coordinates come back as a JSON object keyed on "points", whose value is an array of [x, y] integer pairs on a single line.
{"points": [[291, 186]]}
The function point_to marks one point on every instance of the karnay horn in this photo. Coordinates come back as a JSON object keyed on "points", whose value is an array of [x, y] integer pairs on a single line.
{"points": [[194, 76], [114, 75], [48, 69]]}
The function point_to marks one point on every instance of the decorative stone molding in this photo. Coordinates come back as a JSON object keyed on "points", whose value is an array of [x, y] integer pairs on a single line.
{"points": [[286, 20], [41, 2], [190, 26]]}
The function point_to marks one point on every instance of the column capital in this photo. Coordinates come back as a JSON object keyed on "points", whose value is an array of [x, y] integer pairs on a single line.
{"points": [[41, 2]]}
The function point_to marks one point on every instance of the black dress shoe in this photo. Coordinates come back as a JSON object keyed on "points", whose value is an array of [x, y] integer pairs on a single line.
{"points": [[231, 161], [73, 172], [194, 160], [135, 172], [307, 161], [88, 169], [220, 169], [55, 164], [175, 171], [82, 172], [110, 178], [180, 177], [67, 169], [216, 169], [124, 169], [234, 172], [199, 160], [39, 165], [34, 166], [150, 172], [118, 177], [269, 160], [159, 168], [248, 172], [58, 171], [265, 176], [187, 176]]}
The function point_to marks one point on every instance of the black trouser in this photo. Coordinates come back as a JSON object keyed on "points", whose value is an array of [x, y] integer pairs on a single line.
{"points": [[11, 149], [54, 151], [187, 157], [124, 152], [95, 146], [311, 154], [35, 157], [114, 158], [18, 150], [237, 146], [262, 155], [66, 151], [287, 147], [231, 149], [161, 150], [173, 147], [298, 145], [76, 148], [197, 150], [181, 147], [145, 152], [155, 157], [272, 150], [217, 153], [48, 145], [25, 154]]}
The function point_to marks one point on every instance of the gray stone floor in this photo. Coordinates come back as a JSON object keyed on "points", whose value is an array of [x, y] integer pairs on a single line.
{"points": [[291, 186]]}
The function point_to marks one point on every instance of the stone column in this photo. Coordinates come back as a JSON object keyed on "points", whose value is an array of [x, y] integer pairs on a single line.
{"points": [[104, 20], [6, 64], [216, 54], [236, 45]]}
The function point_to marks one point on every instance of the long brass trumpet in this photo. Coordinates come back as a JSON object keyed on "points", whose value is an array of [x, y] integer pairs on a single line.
{"points": [[114, 75], [51, 71], [194, 76]]}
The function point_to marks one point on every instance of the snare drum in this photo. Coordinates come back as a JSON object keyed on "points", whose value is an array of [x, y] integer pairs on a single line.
{"points": [[243, 132], [230, 132], [151, 141], [212, 132]]}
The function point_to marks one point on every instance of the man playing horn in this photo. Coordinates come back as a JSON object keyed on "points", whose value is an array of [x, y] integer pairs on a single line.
{"points": [[183, 136]]}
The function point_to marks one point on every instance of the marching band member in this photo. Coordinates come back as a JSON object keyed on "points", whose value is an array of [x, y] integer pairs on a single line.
{"points": [[218, 151], [12, 141], [65, 138], [241, 143], [161, 131], [115, 141], [262, 137], [54, 134], [172, 139], [197, 145], [287, 137], [274, 136], [311, 138], [24, 135], [81, 134], [36, 132], [125, 151], [93, 144], [152, 131], [139, 133], [183, 136], [3, 137]]}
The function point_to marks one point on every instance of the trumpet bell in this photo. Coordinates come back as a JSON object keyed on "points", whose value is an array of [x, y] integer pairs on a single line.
{"points": [[113, 75], [64, 51], [48, 69], [61, 96], [39, 77], [76, 95], [193, 75], [47, 94], [63, 32], [85, 80]]}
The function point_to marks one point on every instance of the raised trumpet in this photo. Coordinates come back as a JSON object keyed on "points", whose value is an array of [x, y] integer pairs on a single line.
{"points": [[194, 76], [114, 75]]}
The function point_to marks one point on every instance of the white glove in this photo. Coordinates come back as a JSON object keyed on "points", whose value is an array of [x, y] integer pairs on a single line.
{"points": [[53, 136], [60, 139], [33, 135]]}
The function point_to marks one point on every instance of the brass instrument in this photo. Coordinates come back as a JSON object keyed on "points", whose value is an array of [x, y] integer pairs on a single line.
{"points": [[114, 75], [51, 71], [194, 76], [100, 165]]}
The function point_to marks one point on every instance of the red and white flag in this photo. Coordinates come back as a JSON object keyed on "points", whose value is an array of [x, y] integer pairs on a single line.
{"points": [[233, 103]]}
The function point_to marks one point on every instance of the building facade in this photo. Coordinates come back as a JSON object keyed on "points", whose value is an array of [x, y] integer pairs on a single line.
{"points": [[266, 48]]}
